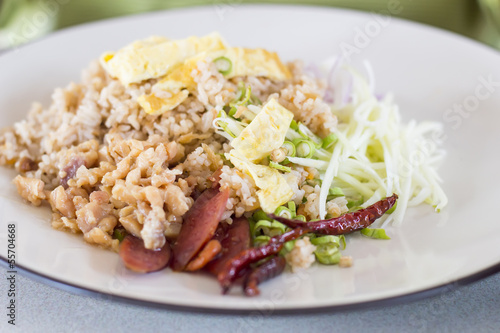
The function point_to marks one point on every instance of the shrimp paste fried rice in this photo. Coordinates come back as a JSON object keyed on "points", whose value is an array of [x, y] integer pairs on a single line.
{"points": [[148, 126]]}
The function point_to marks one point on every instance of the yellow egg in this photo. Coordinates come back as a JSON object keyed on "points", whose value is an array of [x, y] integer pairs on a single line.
{"points": [[156, 56], [265, 133], [244, 62], [273, 191], [255, 62], [173, 89]]}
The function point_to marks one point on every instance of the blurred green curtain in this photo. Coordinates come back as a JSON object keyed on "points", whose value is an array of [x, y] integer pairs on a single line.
{"points": [[461, 16]]}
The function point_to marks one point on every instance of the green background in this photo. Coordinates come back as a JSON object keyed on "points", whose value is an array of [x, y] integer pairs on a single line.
{"points": [[472, 18]]}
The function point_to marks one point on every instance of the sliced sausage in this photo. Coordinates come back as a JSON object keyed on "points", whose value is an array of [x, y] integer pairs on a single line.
{"points": [[199, 225], [235, 240], [209, 252], [139, 259]]}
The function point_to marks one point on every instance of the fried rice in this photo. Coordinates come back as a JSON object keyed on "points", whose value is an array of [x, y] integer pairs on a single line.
{"points": [[102, 162]]}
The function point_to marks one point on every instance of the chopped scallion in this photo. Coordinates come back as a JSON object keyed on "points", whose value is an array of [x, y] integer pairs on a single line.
{"points": [[305, 148], [282, 211], [260, 215], [328, 254], [289, 148], [280, 167], [232, 111], [223, 65], [308, 134], [269, 228], [301, 218], [336, 191], [322, 240], [289, 245], [119, 234], [355, 202], [329, 141], [261, 240], [374, 233]]}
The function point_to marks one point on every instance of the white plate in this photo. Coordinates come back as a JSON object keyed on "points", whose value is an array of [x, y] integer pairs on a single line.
{"points": [[428, 70]]}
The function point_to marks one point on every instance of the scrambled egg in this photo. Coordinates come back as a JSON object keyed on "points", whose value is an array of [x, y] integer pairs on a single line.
{"points": [[274, 190], [178, 84], [265, 133], [156, 56]]}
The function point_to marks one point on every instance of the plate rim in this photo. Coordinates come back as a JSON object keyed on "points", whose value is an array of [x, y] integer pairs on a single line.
{"points": [[311, 310], [308, 310]]}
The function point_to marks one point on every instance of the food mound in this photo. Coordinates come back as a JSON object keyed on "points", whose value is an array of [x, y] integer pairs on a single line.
{"points": [[205, 157]]}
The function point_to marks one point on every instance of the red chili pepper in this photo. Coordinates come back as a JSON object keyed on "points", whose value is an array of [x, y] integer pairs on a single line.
{"points": [[346, 223], [246, 257], [271, 268]]}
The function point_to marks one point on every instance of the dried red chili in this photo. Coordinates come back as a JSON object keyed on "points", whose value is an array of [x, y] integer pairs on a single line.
{"points": [[246, 257], [346, 223]]}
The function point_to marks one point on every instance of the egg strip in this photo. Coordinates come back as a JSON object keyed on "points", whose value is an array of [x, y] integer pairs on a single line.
{"points": [[273, 191], [156, 56], [265, 133], [244, 62]]}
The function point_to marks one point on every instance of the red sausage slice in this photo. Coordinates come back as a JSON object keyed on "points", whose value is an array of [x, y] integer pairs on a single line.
{"points": [[209, 252], [139, 259], [235, 240], [199, 225]]}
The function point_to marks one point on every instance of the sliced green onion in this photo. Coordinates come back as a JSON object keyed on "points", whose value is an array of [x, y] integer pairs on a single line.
{"points": [[322, 240], [294, 125], [279, 166], [292, 207], [308, 134], [282, 211], [287, 247], [329, 141], [232, 111], [336, 191], [261, 240], [259, 215], [226, 129], [119, 234], [246, 97], [327, 249], [355, 202], [271, 229], [289, 148], [223, 65], [343, 243], [328, 254], [300, 217], [305, 148], [374, 233], [241, 92]]}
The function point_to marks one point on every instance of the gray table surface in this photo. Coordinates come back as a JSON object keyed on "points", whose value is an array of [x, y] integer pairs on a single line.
{"points": [[42, 308]]}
